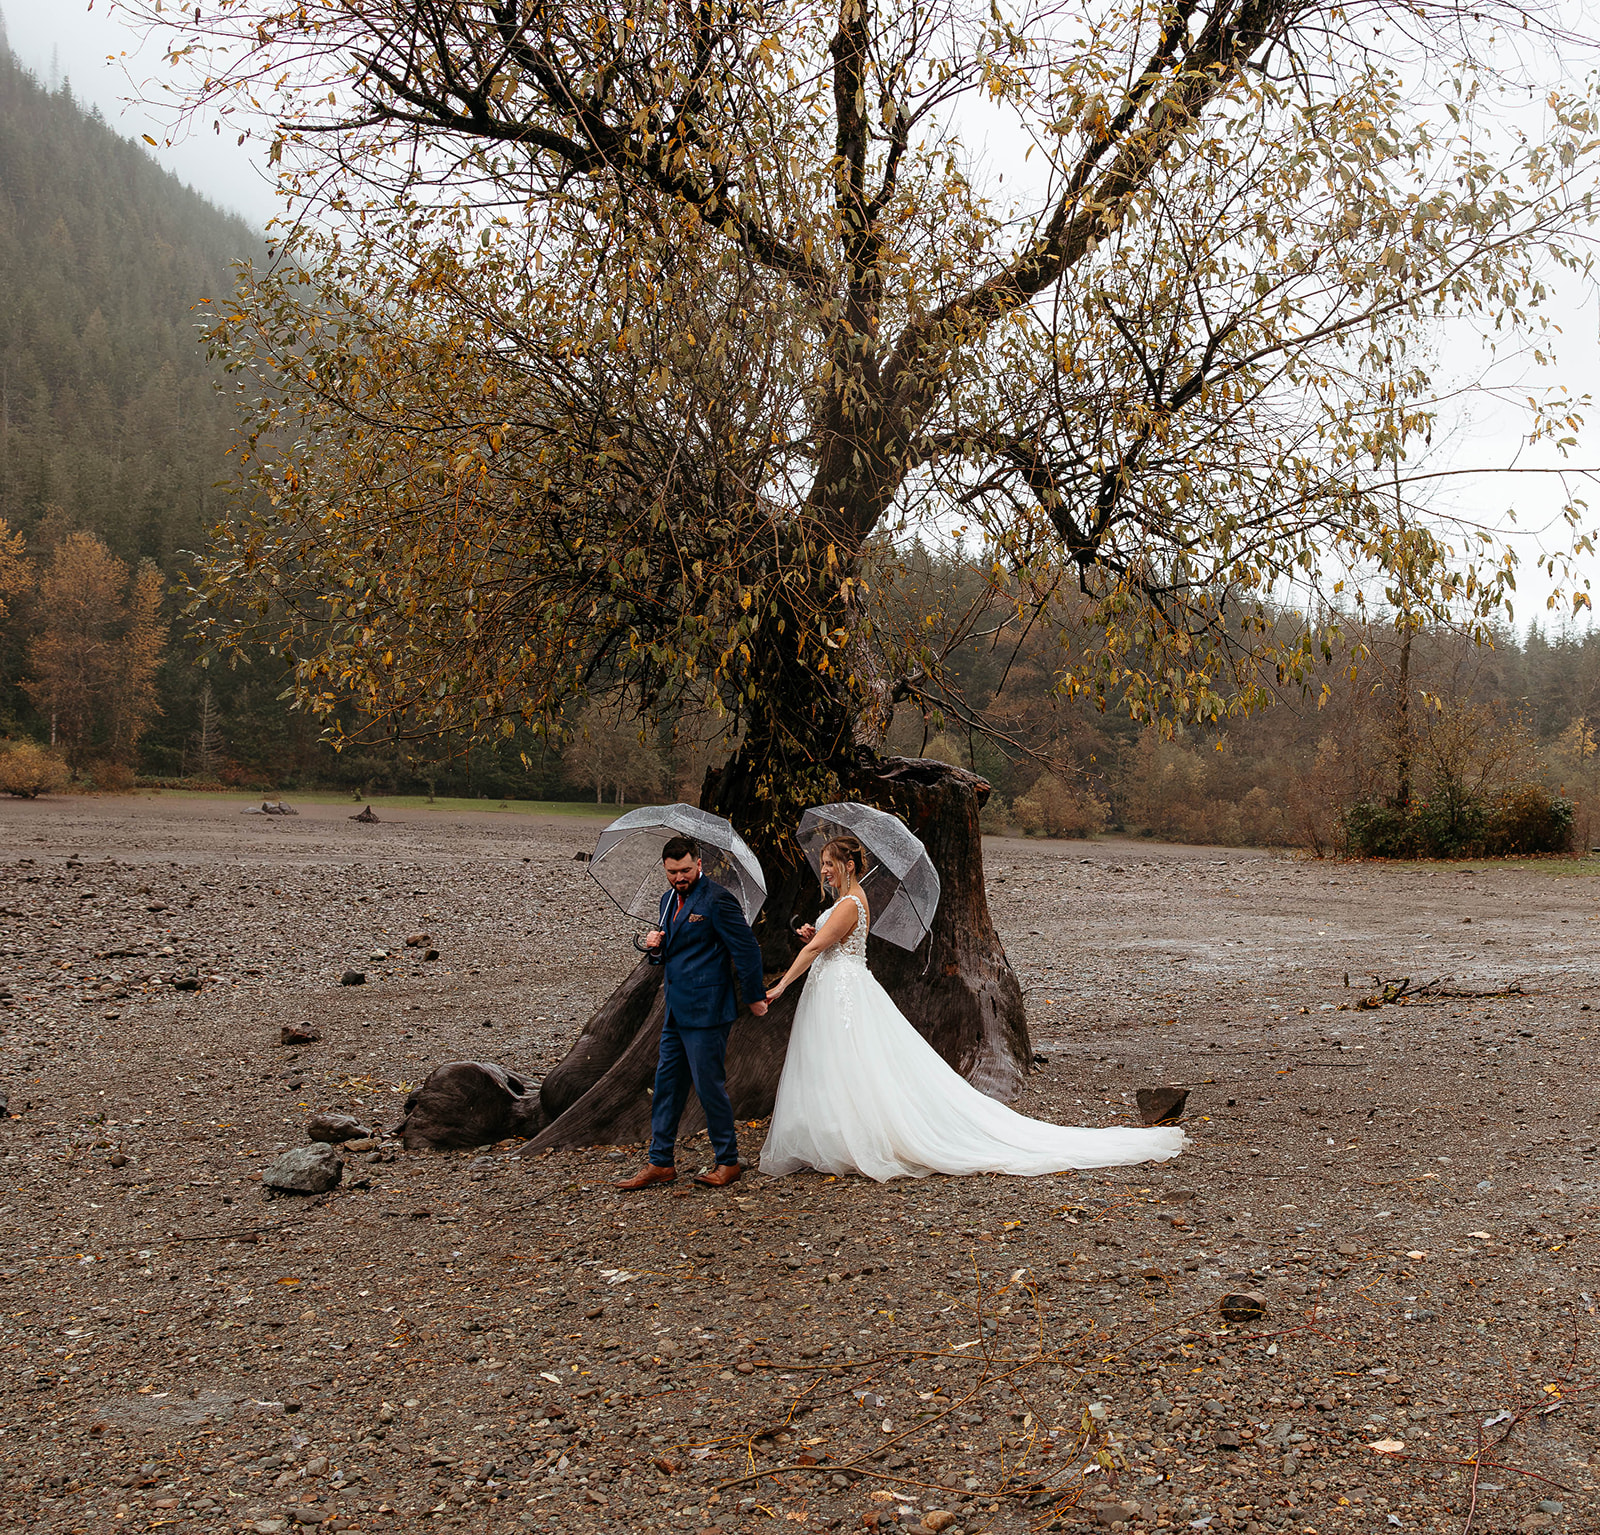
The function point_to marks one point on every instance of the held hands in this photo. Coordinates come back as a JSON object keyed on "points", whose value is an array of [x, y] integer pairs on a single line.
{"points": [[758, 1008], [805, 934], [772, 996]]}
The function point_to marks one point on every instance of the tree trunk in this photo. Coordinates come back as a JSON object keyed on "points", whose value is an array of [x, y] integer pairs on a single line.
{"points": [[960, 993], [1402, 794]]}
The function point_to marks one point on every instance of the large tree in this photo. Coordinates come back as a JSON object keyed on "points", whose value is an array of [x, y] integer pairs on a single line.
{"points": [[95, 650], [618, 347]]}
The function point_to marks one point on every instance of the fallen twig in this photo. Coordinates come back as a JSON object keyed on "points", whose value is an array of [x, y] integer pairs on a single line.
{"points": [[1391, 993]]}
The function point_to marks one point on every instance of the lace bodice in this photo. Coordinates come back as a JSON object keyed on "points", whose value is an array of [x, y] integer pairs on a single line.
{"points": [[855, 946]]}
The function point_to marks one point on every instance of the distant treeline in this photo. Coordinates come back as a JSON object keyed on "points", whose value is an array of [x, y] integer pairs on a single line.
{"points": [[1435, 746]]}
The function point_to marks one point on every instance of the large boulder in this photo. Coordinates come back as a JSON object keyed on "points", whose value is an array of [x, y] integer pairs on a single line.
{"points": [[334, 1128], [310, 1169], [468, 1103]]}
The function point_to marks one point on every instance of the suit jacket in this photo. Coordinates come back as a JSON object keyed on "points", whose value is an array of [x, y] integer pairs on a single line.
{"points": [[700, 942]]}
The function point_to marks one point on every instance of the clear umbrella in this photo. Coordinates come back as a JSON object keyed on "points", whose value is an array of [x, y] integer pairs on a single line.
{"points": [[626, 862], [902, 886]]}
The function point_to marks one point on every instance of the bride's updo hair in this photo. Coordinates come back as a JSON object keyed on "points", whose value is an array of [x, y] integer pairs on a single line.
{"points": [[847, 850]]}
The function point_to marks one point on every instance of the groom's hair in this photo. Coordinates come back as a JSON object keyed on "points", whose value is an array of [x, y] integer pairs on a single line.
{"points": [[680, 847]]}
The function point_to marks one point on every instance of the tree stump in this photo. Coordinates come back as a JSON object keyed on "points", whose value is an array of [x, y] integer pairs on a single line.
{"points": [[957, 988]]}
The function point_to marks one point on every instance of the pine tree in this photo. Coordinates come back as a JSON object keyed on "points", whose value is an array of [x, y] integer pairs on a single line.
{"points": [[208, 734]]}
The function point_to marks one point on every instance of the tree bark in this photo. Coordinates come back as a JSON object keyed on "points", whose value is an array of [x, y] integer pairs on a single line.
{"points": [[957, 988]]}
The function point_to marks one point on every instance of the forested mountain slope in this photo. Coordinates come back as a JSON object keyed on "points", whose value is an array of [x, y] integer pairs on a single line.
{"points": [[110, 419], [111, 424], [107, 401]]}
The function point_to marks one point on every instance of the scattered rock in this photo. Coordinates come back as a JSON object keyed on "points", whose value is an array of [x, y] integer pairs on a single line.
{"points": [[1161, 1105], [334, 1128], [1227, 1439], [298, 1034], [937, 1519], [419, 940], [1242, 1306], [186, 983], [306, 1170], [580, 858], [270, 807], [1115, 1513], [430, 956], [468, 1103], [353, 978], [368, 817], [117, 1160]]}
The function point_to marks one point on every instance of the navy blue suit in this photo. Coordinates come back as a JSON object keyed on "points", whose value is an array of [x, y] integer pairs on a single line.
{"points": [[700, 939]]}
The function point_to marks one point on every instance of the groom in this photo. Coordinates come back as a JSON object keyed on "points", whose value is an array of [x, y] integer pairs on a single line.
{"points": [[701, 929]]}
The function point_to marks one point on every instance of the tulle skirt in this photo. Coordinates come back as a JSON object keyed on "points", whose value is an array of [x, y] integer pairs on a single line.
{"points": [[863, 1092]]}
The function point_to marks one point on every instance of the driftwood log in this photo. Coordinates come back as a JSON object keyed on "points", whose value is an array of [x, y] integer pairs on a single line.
{"points": [[467, 1103]]}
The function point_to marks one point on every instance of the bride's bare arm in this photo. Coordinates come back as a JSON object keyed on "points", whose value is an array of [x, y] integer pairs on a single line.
{"points": [[836, 929]]}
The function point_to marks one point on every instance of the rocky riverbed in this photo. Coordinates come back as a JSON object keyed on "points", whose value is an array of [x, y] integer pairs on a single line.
{"points": [[504, 1344]]}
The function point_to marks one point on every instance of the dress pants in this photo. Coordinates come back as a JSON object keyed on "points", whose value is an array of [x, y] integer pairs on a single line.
{"points": [[695, 1056]]}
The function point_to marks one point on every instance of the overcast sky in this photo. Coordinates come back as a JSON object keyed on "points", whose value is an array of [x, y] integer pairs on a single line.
{"points": [[98, 55]]}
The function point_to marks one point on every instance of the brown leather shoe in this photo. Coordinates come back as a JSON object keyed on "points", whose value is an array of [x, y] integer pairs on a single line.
{"points": [[721, 1175], [647, 1175]]}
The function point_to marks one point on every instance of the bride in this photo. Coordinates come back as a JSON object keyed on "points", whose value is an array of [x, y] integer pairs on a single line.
{"points": [[863, 1092]]}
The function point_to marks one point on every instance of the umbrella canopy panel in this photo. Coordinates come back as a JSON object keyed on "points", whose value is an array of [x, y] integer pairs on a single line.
{"points": [[902, 886], [626, 862]]}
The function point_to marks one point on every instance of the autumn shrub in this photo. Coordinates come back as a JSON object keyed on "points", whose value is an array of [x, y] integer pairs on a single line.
{"points": [[1526, 818], [1530, 819], [1175, 790], [28, 771], [1054, 808], [995, 818], [234, 775], [1262, 821], [108, 776], [1572, 763]]}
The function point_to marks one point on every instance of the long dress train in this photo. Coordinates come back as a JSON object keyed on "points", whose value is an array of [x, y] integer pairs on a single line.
{"points": [[862, 1091]]}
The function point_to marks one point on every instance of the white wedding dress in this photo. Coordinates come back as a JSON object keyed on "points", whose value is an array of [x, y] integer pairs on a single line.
{"points": [[863, 1092]]}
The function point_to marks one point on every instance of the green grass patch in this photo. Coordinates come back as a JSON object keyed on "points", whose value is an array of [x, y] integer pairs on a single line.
{"points": [[1570, 866]]}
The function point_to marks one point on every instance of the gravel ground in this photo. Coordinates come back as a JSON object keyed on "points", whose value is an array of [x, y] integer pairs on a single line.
{"points": [[505, 1344]]}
